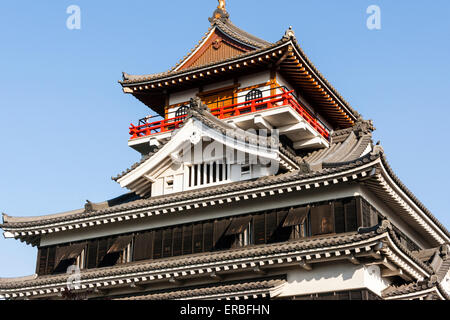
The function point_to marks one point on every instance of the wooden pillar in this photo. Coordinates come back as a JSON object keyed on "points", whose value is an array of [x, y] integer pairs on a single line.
{"points": [[166, 106], [273, 82], [359, 212]]}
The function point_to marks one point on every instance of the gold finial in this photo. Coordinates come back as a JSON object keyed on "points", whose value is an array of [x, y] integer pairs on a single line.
{"points": [[222, 5]]}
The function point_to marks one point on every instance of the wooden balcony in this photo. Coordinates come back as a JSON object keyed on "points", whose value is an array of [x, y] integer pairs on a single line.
{"points": [[282, 110]]}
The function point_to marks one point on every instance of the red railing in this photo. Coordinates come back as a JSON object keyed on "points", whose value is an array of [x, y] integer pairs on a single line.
{"points": [[274, 101]]}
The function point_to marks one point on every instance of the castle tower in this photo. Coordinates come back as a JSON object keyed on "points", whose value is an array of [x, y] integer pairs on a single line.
{"points": [[257, 180]]}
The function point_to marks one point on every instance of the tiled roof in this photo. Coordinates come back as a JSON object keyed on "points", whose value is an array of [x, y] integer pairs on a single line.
{"points": [[410, 194], [223, 290], [434, 281], [341, 151], [189, 195], [416, 289], [393, 291], [137, 79], [325, 80], [322, 242]]}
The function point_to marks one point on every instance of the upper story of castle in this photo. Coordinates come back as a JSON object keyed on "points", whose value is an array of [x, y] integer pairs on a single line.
{"points": [[248, 85]]}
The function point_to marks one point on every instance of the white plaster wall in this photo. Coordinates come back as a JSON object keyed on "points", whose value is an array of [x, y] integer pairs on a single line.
{"points": [[174, 172], [330, 278], [256, 78], [323, 278], [180, 97], [373, 279]]}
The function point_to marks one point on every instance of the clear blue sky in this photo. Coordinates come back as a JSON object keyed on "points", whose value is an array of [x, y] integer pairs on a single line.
{"points": [[64, 119]]}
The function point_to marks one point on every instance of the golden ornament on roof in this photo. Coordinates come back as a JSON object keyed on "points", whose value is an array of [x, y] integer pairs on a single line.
{"points": [[222, 5]]}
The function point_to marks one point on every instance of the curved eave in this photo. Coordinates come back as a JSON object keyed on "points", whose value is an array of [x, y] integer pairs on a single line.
{"points": [[417, 291], [209, 197], [386, 185], [332, 93]]}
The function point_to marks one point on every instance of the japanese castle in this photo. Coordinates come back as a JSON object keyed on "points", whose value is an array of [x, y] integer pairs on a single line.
{"points": [[256, 181]]}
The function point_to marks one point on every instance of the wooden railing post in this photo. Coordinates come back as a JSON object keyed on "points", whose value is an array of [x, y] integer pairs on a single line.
{"points": [[133, 132]]}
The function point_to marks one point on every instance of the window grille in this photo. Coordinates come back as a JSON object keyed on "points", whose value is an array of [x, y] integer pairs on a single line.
{"points": [[205, 174], [182, 111], [254, 94]]}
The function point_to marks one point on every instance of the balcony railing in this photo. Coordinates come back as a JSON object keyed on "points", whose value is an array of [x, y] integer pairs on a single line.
{"points": [[286, 98]]}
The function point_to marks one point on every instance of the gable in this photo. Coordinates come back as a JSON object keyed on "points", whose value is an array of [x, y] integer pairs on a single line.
{"points": [[183, 160], [216, 47]]}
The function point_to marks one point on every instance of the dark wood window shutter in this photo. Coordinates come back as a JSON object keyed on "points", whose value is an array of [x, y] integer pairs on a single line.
{"points": [[157, 249], [178, 241], [198, 238], [92, 254], [339, 217], [271, 226], [374, 218], [143, 246], [282, 234], [351, 218], [259, 229], [322, 219], [187, 240], [42, 261], [345, 295], [296, 217], [51, 260], [355, 295], [208, 236], [102, 250], [119, 244], [238, 225], [365, 214], [281, 216], [167, 243], [220, 227]]}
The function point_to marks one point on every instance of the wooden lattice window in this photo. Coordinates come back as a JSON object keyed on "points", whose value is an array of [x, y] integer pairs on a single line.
{"points": [[253, 94], [182, 111]]}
